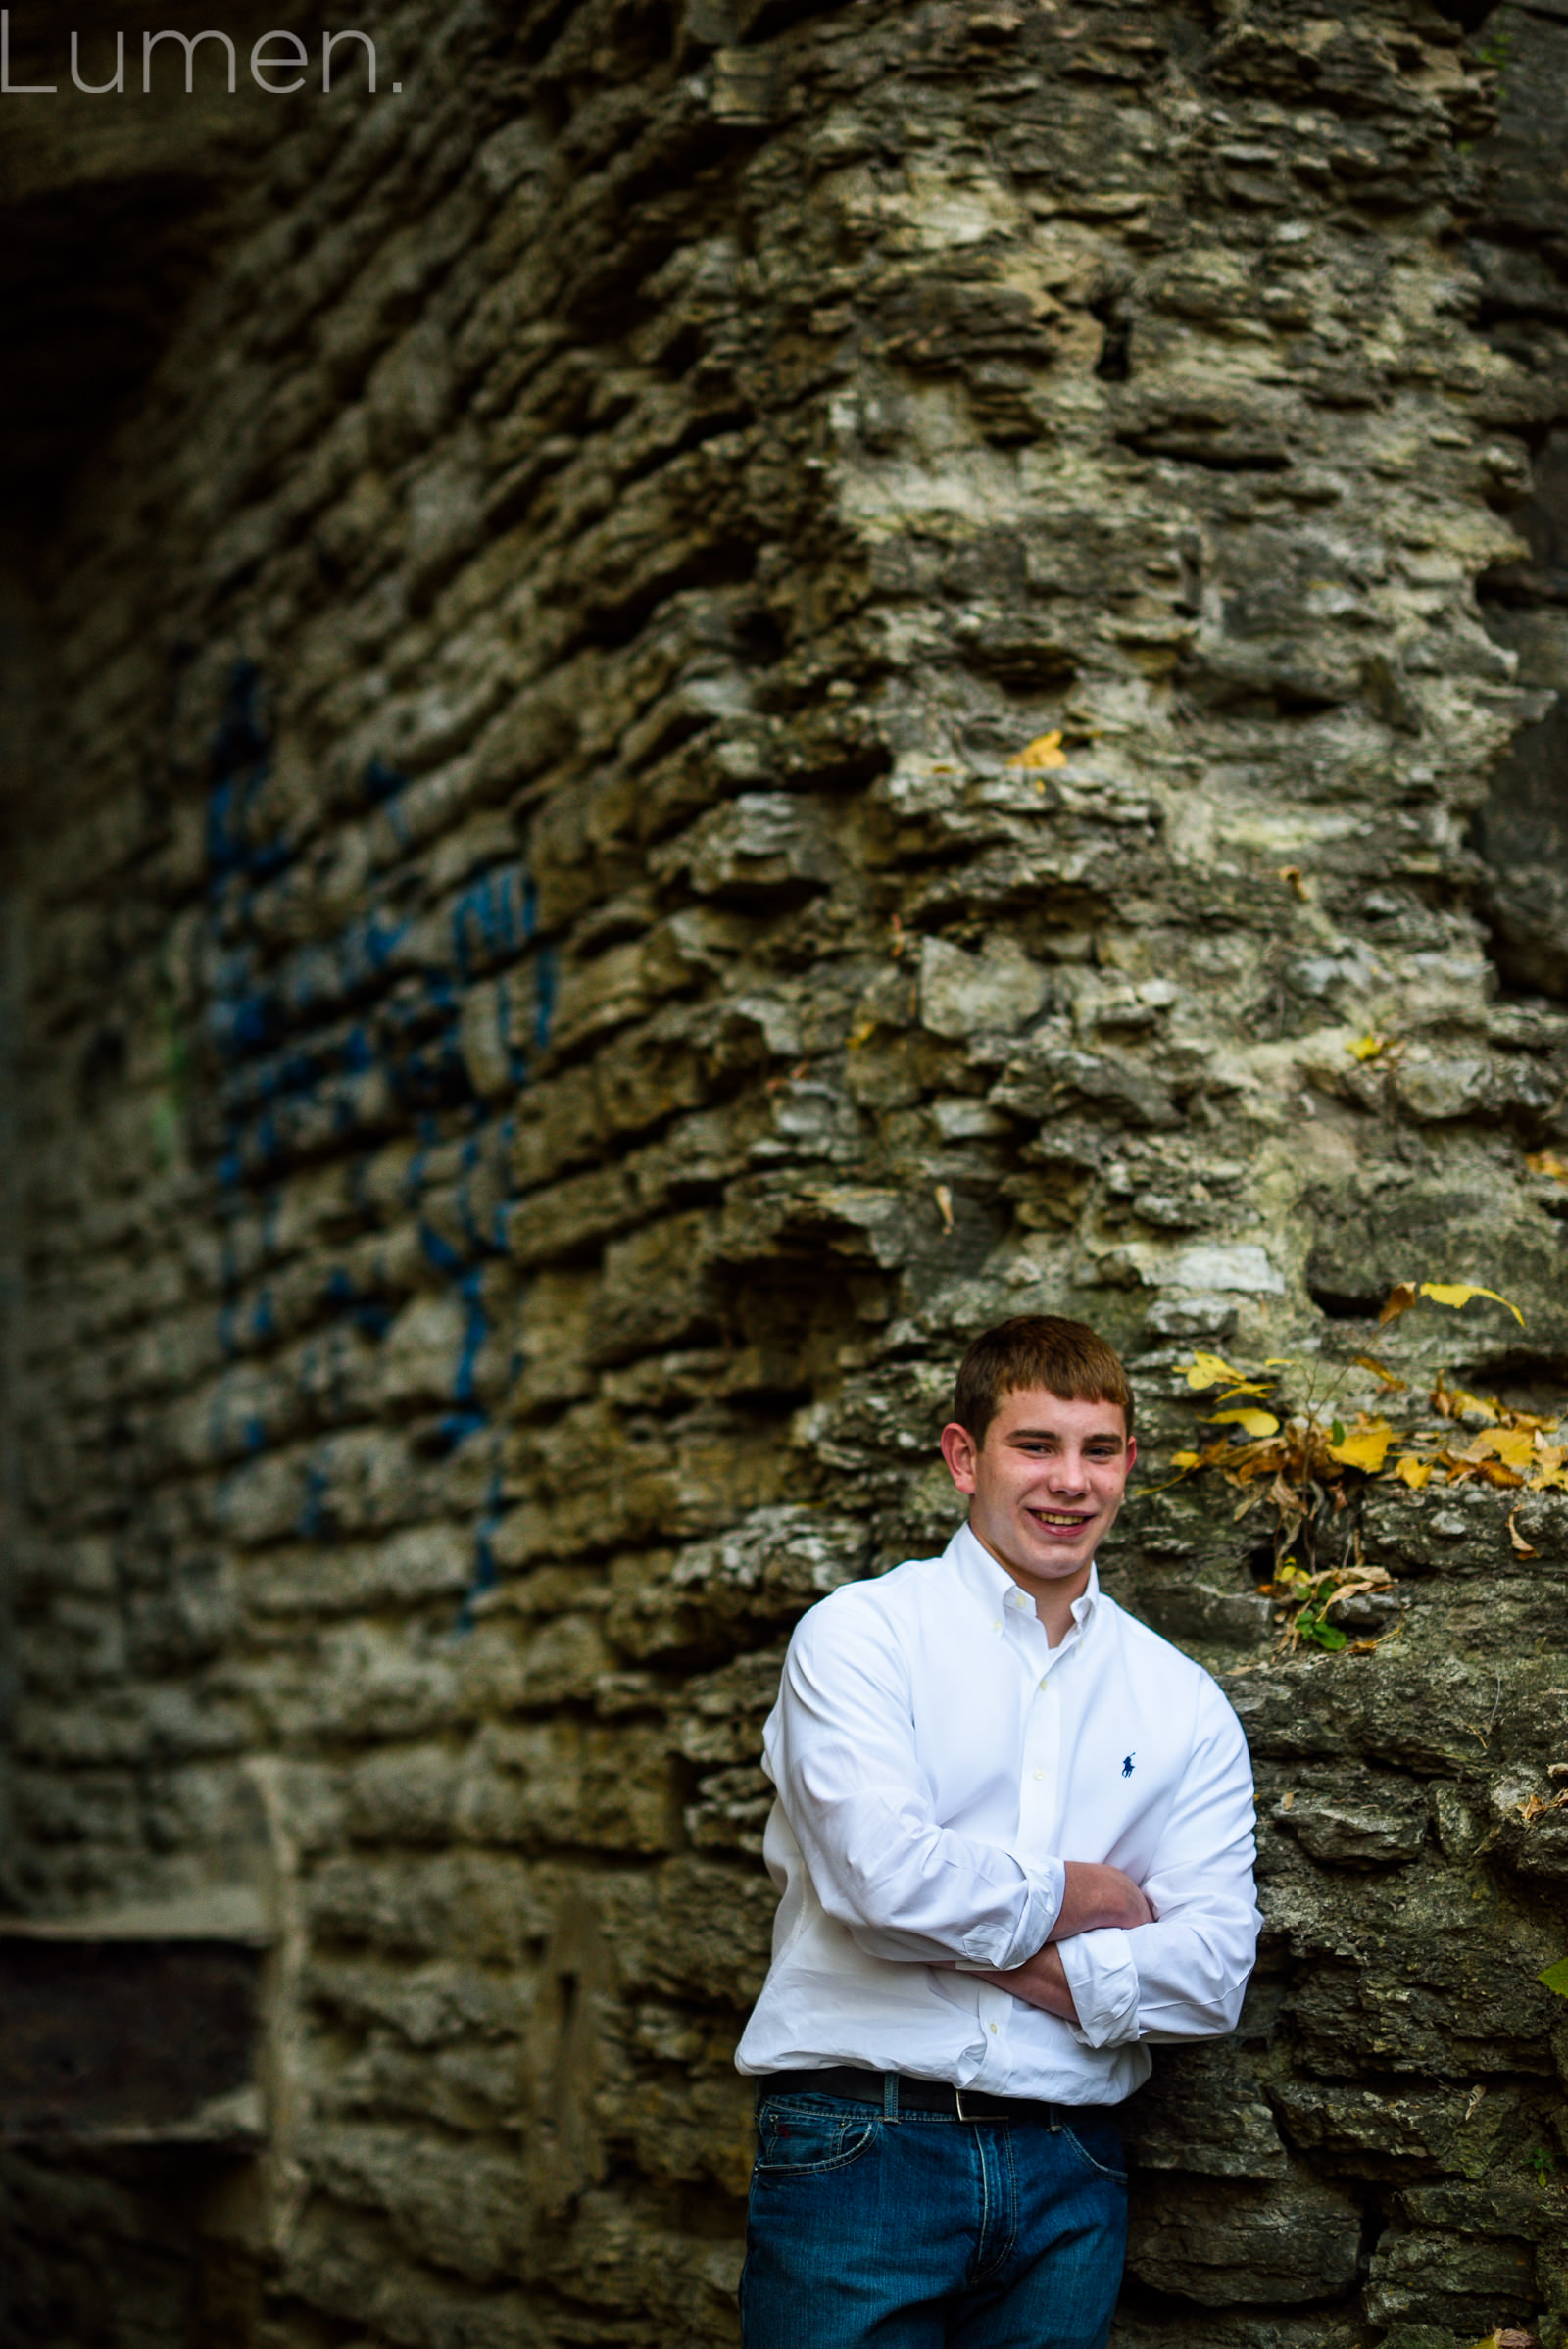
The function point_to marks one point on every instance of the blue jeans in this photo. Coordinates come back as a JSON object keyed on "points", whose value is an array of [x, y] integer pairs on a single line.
{"points": [[925, 2232]]}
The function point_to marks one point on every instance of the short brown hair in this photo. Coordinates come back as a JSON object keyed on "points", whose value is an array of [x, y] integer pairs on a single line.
{"points": [[1067, 1358]]}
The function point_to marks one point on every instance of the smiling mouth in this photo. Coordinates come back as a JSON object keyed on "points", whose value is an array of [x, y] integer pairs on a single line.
{"points": [[1058, 1522]]}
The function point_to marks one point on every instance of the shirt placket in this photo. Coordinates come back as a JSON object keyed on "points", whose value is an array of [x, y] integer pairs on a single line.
{"points": [[1038, 1790]]}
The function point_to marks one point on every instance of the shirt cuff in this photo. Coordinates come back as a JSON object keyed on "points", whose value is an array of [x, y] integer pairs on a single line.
{"points": [[1104, 1981], [994, 1951]]}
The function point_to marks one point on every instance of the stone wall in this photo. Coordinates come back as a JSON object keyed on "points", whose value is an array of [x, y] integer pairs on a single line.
{"points": [[546, 1008]]}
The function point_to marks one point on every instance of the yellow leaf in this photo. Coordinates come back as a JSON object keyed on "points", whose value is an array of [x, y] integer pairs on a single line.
{"points": [[862, 1033], [1521, 1548], [1458, 1403], [1378, 1370], [1184, 1459], [1515, 1445], [1255, 1423], [1208, 1370], [1045, 750], [1553, 1478], [1366, 1048], [1547, 1163], [944, 1199], [1364, 1446], [1399, 1300], [1412, 1472], [1458, 1293]]}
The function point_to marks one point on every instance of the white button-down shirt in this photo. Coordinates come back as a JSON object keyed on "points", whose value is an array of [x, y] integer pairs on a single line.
{"points": [[937, 1762]]}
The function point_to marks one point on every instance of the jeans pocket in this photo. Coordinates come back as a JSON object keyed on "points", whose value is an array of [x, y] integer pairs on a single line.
{"points": [[799, 2139], [1099, 2144]]}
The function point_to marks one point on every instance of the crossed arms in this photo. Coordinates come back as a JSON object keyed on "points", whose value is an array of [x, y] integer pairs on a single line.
{"points": [[1115, 1960], [1098, 1898]]}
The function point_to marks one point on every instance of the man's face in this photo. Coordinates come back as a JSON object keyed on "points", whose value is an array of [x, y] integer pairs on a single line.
{"points": [[1046, 1483]]}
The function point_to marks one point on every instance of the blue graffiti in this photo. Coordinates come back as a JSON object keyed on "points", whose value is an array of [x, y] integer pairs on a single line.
{"points": [[382, 782], [544, 998], [475, 1331], [323, 1048], [311, 1520], [492, 919], [485, 1576]]}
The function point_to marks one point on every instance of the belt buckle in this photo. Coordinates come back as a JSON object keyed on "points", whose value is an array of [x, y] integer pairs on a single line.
{"points": [[957, 2102]]}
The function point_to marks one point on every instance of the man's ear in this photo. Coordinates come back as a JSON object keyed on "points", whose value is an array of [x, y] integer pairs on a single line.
{"points": [[962, 1454]]}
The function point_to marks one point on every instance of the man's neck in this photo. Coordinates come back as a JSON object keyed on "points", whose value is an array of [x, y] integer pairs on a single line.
{"points": [[1054, 1595]]}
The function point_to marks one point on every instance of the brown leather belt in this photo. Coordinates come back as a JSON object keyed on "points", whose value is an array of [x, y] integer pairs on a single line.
{"points": [[863, 2086]]}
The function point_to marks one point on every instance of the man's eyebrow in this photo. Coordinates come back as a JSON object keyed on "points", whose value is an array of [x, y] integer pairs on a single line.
{"points": [[1053, 1436]]}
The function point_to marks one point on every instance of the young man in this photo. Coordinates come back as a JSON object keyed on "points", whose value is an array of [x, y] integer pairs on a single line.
{"points": [[1014, 1841]]}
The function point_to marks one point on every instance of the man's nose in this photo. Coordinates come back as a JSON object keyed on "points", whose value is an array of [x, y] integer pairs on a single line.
{"points": [[1068, 1472]]}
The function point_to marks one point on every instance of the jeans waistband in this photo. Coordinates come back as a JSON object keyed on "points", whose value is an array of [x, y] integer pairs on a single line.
{"points": [[893, 2092]]}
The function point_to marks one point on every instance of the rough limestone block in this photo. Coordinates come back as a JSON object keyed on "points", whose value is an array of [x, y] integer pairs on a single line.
{"points": [[1204, 2111], [1455, 2283], [1294, 2240], [1001, 989]]}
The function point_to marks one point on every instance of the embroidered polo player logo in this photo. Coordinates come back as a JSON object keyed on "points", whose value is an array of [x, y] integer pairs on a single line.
{"points": [[1127, 1765]]}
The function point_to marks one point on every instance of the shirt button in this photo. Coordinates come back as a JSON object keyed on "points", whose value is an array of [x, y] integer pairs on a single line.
{"points": [[997, 1626], [1042, 1683], [1040, 1774], [993, 2031]]}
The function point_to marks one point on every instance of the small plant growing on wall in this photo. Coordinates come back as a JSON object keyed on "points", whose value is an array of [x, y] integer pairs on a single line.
{"points": [[1287, 1446]]}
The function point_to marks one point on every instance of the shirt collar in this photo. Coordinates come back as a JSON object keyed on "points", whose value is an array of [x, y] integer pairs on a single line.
{"points": [[995, 1589]]}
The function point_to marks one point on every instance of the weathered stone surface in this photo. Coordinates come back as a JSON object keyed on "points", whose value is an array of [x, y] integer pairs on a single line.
{"points": [[1375, 1829], [1295, 2240], [738, 686], [1388, 2133], [1454, 2282], [1205, 2111]]}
